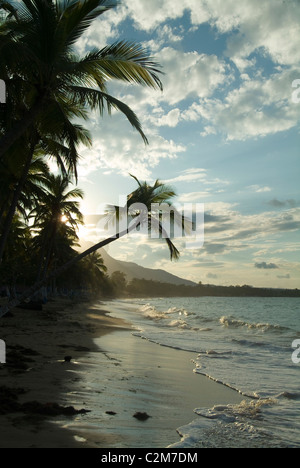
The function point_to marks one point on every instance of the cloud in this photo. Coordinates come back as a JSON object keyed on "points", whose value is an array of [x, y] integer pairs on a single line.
{"points": [[226, 226], [190, 175], [197, 175], [169, 120], [257, 108], [259, 189], [282, 204], [266, 266], [213, 249], [211, 276], [288, 276], [196, 197], [190, 74], [256, 26], [127, 153]]}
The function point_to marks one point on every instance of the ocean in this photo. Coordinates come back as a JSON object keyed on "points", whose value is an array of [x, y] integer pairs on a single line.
{"points": [[243, 343]]}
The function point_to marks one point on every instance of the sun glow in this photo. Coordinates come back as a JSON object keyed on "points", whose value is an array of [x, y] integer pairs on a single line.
{"points": [[64, 219]]}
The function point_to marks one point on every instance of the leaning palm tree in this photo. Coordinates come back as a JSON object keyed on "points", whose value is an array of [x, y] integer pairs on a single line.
{"points": [[139, 208], [39, 63]]}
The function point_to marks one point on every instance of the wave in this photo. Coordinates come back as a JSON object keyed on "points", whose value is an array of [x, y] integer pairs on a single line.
{"points": [[153, 313], [165, 345], [210, 353], [289, 395], [231, 322], [150, 312], [231, 426], [249, 409], [200, 370]]}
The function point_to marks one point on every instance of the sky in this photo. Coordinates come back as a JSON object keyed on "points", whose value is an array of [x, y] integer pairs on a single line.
{"points": [[224, 132]]}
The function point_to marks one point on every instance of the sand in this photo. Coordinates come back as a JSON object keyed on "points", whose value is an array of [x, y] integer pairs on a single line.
{"points": [[112, 374]]}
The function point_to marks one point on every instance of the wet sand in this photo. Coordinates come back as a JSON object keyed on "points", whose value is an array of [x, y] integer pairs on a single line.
{"points": [[112, 373]]}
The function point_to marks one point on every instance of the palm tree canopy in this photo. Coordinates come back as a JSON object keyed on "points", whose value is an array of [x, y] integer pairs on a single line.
{"points": [[147, 204], [58, 202], [40, 66]]}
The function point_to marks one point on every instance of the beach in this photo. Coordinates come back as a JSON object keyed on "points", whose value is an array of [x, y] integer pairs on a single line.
{"points": [[77, 355]]}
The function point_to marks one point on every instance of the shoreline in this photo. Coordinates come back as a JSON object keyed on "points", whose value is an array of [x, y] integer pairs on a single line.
{"points": [[36, 371], [112, 373]]}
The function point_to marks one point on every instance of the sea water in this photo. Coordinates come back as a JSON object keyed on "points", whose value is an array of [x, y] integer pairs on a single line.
{"points": [[243, 343]]}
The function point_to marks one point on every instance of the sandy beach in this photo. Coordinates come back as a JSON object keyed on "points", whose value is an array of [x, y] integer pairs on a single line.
{"points": [[76, 355]]}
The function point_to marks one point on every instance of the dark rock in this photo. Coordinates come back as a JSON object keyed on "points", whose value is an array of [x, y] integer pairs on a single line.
{"points": [[111, 413], [82, 349], [141, 416], [38, 306], [9, 404], [50, 409], [9, 399], [68, 358]]}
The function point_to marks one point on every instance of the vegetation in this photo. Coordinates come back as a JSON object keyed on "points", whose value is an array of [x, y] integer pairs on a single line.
{"points": [[144, 288], [50, 93]]}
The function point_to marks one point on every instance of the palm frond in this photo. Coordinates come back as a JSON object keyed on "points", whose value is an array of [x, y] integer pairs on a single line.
{"points": [[76, 17], [127, 61]]}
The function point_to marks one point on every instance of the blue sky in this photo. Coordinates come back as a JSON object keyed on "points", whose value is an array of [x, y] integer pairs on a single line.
{"points": [[224, 132]]}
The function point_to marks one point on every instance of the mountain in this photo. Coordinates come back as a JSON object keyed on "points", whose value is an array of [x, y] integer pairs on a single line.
{"points": [[133, 270]]}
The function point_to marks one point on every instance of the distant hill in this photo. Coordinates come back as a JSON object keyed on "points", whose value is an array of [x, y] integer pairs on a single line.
{"points": [[133, 270]]}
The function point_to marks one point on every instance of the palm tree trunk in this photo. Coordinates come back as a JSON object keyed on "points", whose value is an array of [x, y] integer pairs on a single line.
{"points": [[39, 284], [42, 259], [52, 237], [3, 207], [14, 203], [20, 127]]}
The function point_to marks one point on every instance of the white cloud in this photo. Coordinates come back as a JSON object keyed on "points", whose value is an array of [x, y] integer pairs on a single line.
{"points": [[190, 175], [166, 33], [127, 153], [190, 74], [169, 120], [259, 189], [196, 197], [272, 26], [257, 108], [147, 15]]}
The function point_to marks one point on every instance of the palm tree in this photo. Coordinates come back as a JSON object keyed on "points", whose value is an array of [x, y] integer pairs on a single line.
{"points": [[17, 191], [9, 179], [57, 217], [94, 270], [50, 142], [15, 261], [49, 85], [96, 262], [145, 194], [38, 61]]}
